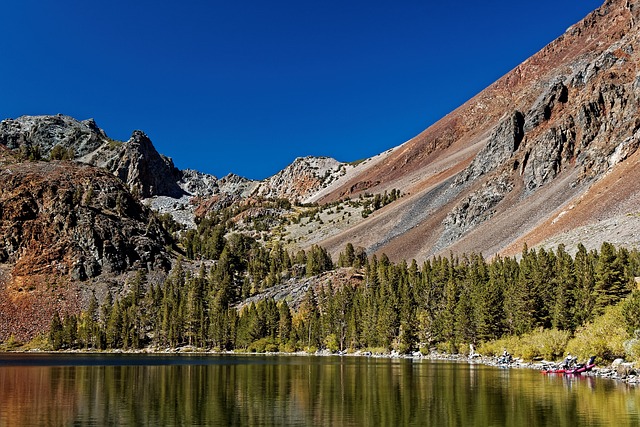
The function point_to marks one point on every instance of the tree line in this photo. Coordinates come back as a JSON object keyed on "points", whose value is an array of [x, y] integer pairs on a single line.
{"points": [[445, 303]]}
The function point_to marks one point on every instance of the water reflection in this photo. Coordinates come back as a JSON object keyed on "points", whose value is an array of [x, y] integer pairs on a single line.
{"points": [[301, 391]]}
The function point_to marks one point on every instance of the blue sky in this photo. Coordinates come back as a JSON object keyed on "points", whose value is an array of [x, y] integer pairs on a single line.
{"points": [[247, 86]]}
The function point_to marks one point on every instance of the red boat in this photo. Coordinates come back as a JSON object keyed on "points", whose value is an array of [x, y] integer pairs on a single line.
{"points": [[582, 368], [570, 371], [554, 371]]}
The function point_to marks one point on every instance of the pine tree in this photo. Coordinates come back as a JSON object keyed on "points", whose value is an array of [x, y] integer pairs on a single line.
{"points": [[563, 311], [114, 327], [284, 324], [543, 287], [450, 302], [56, 333], [489, 300], [520, 301], [309, 327], [408, 332], [611, 285], [584, 295], [88, 327]]}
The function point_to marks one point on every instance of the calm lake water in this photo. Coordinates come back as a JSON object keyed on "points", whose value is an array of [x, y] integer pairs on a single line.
{"points": [[166, 390]]}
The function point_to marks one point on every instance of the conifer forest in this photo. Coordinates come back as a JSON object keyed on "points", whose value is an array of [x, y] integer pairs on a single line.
{"points": [[443, 303]]}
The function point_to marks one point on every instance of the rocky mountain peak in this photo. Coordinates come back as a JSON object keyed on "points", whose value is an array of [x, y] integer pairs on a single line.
{"points": [[302, 179], [144, 170], [46, 132]]}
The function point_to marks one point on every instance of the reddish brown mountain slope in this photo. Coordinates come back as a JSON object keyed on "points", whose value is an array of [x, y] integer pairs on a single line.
{"points": [[61, 225], [501, 166]]}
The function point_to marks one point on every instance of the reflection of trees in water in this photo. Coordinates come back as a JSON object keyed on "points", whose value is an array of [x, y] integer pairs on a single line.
{"points": [[308, 391]]}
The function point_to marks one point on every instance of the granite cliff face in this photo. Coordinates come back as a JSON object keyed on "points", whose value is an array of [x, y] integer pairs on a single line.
{"points": [[302, 179], [137, 163]]}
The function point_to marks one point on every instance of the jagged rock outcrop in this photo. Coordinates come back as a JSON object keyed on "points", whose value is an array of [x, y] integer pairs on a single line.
{"points": [[136, 162], [229, 189], [139, 165], [198, 184], [45, 132], [474, 209], [303, 178], [502, 145], [63, 219], [545, 104]]}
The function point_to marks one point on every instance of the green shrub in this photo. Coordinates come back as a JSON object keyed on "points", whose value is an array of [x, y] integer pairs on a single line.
{"points": [[331, 343], [311, 349], [632, 347], [549, 344], [10, 344], [603, 338], [631, 311], [289, 347], [263, 345]]}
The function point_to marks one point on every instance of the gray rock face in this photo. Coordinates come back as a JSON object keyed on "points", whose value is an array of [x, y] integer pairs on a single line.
{"points": [[145, 171], [474, 209], [303, 178], [541, 110], [197, 183], [46, 132], [503, 143], [545, 158], [138, 164]]}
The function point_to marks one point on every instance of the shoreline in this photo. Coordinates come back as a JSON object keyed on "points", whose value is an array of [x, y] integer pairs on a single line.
{"points": [[621, 372]]}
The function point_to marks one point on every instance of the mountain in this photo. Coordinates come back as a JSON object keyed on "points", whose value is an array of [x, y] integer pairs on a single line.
{"points": [[63, 224], [549, 148], [548, 154]]}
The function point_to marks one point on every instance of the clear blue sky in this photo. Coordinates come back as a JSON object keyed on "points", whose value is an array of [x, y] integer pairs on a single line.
{"points": [[246, 86]]}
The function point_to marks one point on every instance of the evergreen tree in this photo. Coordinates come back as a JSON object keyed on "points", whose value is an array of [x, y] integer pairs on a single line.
{"points": [[308, 324], [450, 302], [489, 300], [611, 285], [348, 257], [584, 295], [114, 327], [88, 326], [408, 332], [563, 311], [284, 324], [56, 333], [543, 287], [520, 302]]}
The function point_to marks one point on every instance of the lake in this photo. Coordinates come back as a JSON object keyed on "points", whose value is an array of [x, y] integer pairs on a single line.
{"points": [[265, 390]]}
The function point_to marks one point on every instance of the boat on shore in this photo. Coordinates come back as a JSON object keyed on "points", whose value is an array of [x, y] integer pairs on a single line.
{"points": [[578, 369]]}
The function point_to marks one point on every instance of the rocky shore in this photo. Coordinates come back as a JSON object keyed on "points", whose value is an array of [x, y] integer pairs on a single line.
{"points": [[619, 370]]}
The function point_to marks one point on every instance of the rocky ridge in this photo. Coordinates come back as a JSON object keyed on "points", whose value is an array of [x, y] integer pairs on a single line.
{"points": [[302, 179], [153, 176], [60, 218]]}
